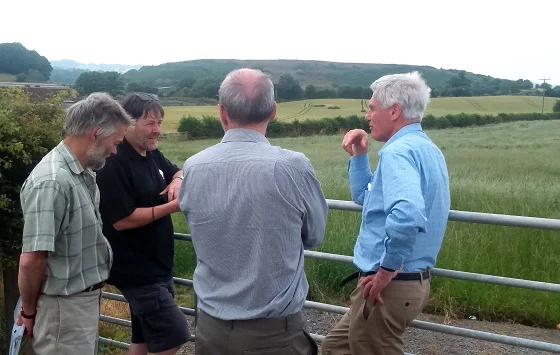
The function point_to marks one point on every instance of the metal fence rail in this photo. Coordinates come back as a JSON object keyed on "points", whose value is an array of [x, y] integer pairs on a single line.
{"points": [[462, 216]]}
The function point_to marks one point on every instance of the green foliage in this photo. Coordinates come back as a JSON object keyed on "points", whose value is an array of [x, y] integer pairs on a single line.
{"points": [[210, 127], [16, 59], [66, 76], [97, 81], [556, 107], [509, 168], [135, 87], [288, 89], [28, 130], [322, 79], [21, 78], [207, 127]]}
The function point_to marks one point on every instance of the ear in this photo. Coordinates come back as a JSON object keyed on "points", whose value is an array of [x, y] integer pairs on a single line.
{"points": [[223, 116], [273, 116], [396, 111], [93, 134]]}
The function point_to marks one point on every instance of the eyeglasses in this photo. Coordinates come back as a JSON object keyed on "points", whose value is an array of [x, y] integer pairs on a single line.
{"points": [[143, 96]]}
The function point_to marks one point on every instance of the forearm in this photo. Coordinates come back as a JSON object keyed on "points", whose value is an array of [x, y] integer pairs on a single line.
{"points": [[145, 215], [359, 175], [177, 174], [32, 272]]}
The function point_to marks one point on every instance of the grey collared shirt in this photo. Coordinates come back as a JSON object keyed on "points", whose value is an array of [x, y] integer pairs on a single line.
{"points": [[60, 204], [252, 209]]}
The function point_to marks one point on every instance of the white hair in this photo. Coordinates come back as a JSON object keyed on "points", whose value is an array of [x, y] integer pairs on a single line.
{"points": [[97, 110], [247, 103], [408, 90]]}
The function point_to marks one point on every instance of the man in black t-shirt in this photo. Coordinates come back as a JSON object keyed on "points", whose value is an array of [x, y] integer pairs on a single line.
{"points": [[139, 189]]}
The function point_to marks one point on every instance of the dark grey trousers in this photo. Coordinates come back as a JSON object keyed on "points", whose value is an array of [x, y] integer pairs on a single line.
{"points": [[263, 336]]}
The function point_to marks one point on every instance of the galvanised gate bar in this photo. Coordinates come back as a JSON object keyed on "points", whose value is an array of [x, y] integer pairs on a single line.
{"points": [[461, 216]]}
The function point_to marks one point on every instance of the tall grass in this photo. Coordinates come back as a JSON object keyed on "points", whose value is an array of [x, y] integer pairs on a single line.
{"points": [[510, 168]]}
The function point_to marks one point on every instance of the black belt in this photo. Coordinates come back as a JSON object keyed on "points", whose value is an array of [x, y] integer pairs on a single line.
{"points": [[401, 276], [97, 286]]}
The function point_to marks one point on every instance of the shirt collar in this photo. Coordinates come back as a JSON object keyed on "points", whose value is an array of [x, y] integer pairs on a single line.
{"points": [[244, 135], [413, 127], [129, 152], [70, 158]]}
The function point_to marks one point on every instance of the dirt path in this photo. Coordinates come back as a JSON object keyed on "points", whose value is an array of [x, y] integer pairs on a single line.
{"points": [[424, 342]]}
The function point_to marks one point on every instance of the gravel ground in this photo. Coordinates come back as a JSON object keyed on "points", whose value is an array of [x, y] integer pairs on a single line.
{"points": [[424, 342]]}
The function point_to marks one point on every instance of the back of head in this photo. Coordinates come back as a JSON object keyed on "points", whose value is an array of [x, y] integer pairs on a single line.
{"points": [[140, 104], [408, 90], [247, 96], [97, 110]]}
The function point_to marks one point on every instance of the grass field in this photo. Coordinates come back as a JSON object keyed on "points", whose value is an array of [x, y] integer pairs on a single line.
{"points": [[307, 109], [7, 77], [507, 168]]}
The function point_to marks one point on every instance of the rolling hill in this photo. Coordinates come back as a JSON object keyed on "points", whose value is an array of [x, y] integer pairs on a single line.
{"points": [[318, 73]]}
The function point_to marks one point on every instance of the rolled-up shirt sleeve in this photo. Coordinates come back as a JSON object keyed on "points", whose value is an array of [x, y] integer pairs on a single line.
{"points": [[44, 212]]}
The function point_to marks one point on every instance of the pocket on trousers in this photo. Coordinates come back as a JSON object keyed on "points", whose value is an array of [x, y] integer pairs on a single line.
{"points": [[145, 304], [279, 350]]}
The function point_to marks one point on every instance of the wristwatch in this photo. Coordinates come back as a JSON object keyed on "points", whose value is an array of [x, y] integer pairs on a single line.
{"points": [[27, 316], [178, 177]]}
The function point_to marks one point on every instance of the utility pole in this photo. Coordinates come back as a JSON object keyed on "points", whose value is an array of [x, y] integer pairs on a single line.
{"points": [[543, 91]]}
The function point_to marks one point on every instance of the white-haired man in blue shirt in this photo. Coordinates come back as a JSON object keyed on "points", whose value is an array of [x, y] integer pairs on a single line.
{"points": [[405, 208]]}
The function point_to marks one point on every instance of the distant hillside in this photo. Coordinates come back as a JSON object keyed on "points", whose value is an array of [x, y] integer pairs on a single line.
{"points": [[26, 65], [66, 76], [71, 64], [317, 73]]}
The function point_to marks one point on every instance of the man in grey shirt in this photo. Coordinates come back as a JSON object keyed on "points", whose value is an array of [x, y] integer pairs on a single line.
{"points": [[252, 209]]}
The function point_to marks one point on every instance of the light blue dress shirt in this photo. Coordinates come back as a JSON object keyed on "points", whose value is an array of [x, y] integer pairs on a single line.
{"points": [[405, 203]]}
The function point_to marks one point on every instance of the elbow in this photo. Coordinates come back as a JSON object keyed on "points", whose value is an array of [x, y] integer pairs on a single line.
{"points": [[32, 262], [120, 225]]}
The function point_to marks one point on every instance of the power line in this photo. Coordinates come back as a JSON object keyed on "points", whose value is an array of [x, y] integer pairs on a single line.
{"points": [[543, 91]]}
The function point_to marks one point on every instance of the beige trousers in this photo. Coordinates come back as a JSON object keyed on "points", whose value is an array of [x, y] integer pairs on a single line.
{"points": [[67, 325], [378, 330]]}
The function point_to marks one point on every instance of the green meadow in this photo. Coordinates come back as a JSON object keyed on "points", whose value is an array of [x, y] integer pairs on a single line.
{"points": [[509, 168]]}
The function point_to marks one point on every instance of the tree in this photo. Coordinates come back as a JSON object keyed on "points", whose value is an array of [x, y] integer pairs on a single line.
{"points": [[556, 107], [66, 76], [29, 129], [288, 88], [21, 78], [15, 59], [186, 83], [310, 92], [97, 81], [207, 87], [135, 87], [458, 85], [35, 76]]}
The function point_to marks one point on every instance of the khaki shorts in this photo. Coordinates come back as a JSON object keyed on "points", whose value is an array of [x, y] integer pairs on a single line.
{"points": [[67, 325]]}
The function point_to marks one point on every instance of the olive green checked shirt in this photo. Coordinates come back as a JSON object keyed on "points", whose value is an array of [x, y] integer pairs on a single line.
{"points": [[60, 203]]}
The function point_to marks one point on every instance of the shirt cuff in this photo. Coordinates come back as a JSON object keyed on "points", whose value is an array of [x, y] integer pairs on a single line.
{"points": [[391, 261]]}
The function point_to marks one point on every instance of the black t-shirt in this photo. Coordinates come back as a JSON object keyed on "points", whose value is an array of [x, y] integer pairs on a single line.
{"points": [[128, 181]]}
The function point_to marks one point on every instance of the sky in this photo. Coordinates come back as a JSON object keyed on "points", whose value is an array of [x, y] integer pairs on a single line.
{"points": [[491, 37]]}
